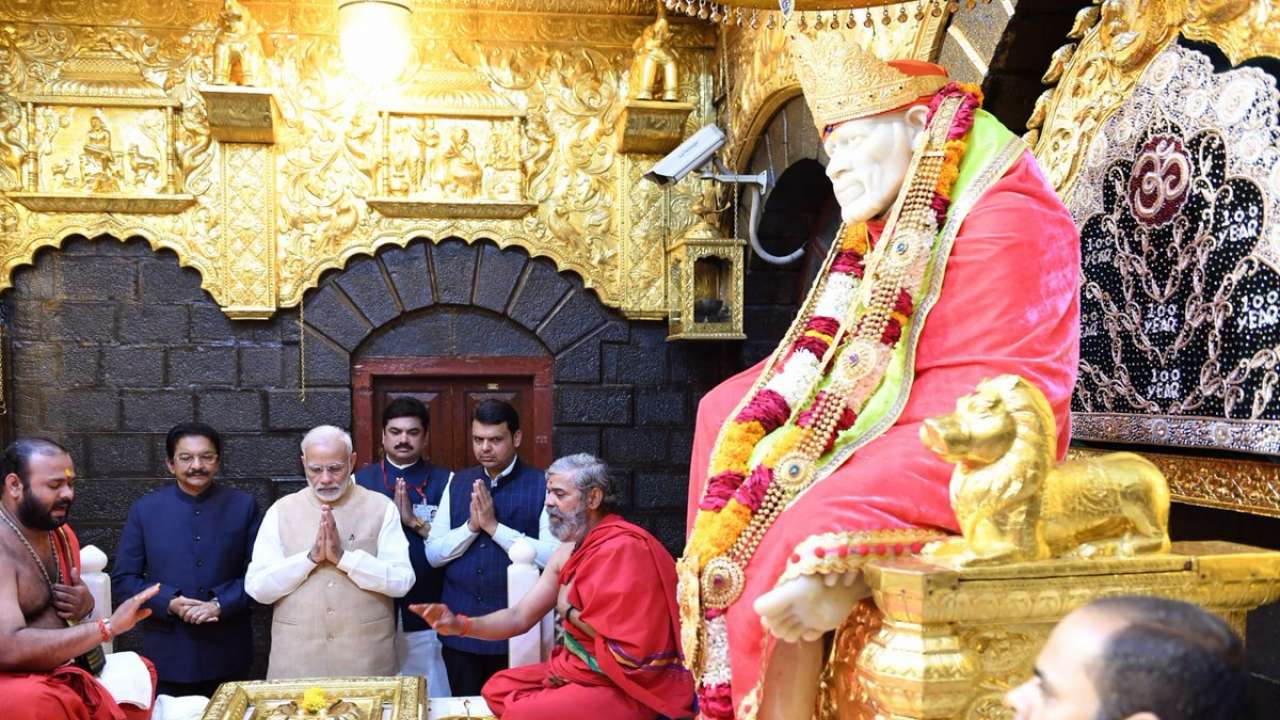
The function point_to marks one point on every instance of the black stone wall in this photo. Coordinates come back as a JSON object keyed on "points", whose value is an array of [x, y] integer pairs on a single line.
{"points": [[113, 343]]}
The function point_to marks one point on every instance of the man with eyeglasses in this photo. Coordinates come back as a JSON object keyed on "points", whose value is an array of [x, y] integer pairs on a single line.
{"points": [[330, 559], [192, 537]]}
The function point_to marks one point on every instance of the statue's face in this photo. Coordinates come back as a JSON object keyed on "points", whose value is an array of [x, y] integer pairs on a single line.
{"points": [[869, 159]]}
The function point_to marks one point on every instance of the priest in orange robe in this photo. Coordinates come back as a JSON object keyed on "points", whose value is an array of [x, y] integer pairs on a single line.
{"points": [[43, 599], [810, 462], [614, 586]]}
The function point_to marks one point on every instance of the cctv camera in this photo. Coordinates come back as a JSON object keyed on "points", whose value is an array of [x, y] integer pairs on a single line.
{"points": [[691, 155]]}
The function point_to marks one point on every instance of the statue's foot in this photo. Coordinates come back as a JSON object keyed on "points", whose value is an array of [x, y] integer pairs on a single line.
{"points": [[670, 97]]}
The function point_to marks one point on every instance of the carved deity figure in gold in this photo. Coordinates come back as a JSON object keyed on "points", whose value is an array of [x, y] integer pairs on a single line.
{"points": [[464, 174], [1133, 31], [98, 160], [654, 66], [238, 57], [1014, 504]]}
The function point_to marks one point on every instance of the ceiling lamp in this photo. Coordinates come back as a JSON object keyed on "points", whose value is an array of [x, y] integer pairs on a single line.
{"points": [[375, 38]]}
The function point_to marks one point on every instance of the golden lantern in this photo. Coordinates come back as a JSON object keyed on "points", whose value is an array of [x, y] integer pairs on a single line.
{"points": [[705, 270]]}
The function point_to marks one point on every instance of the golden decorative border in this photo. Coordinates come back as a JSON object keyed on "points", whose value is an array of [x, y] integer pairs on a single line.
{"points": [[762, 78], [1246, 485]]}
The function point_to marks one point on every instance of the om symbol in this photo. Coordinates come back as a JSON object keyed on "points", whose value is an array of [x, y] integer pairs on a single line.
{"points": [[1159, 180]]}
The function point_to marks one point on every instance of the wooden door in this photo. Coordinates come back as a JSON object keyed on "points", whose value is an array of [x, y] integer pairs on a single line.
{"points": [[451, 388]]}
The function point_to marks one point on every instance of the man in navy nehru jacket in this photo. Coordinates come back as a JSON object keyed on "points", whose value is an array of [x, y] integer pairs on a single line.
{"points": [[416, 486], [194, 538], [485, 509]]}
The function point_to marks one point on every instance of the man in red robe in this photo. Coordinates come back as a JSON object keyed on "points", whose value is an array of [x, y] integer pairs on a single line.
{"points": [[614, 586], [42, 598]]}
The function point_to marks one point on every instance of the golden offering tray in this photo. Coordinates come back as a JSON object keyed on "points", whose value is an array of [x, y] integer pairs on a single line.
{"points": [[358, 698]]}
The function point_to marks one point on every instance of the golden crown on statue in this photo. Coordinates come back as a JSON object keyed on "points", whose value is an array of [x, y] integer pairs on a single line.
{"points": [[842, 81]]}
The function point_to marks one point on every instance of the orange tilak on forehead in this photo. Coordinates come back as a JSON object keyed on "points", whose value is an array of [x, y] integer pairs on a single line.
{"points": [[67, 472]]}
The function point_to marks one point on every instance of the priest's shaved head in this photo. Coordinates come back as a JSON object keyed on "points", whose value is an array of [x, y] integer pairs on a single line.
{"points": [[1137, 658]]}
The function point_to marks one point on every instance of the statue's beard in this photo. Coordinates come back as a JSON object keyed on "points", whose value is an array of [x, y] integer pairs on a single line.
{"points": [[568, 527], [31, 514]]}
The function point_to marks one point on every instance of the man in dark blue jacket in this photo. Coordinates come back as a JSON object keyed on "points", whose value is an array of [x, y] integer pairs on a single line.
{"points": [[484, 511], [415, 485], [195, 538]]}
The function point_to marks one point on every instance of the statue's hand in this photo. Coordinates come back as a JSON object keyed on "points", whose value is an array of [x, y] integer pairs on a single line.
{"points": [[804, 608]]}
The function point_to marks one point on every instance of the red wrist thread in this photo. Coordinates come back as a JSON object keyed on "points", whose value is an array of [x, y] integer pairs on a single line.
{"points": [[104, 629], [467, 624]]}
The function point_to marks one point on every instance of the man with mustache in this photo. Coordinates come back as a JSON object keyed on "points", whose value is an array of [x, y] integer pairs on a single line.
{"points": [[614, 586], [193, 537], [415, 485], [330, 559], [43, 600], [486, 509]]}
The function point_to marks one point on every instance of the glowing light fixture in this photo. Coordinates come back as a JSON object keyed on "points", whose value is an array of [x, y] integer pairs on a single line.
{"points": [[375, 38]]}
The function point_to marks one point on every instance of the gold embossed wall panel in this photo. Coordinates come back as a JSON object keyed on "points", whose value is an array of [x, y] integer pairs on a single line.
{"points": [[100, 132], [502, 129]]}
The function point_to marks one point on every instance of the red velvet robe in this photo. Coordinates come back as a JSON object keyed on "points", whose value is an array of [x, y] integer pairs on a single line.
{"points": [[66, 691], [624, 584], [1010, 303]]}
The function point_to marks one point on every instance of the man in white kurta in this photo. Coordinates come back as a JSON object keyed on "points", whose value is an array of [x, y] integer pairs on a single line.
{"points": [[329, 559]]}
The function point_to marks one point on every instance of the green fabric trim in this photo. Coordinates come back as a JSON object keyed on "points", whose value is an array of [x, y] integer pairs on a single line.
{"points": [[572, 645]]}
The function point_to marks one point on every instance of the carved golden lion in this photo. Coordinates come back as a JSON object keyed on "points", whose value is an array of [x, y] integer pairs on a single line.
{"points": [[1014, 503]]}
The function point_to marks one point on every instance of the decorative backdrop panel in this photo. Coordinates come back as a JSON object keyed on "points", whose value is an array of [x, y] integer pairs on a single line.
{"points": [[1177, 202]]}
